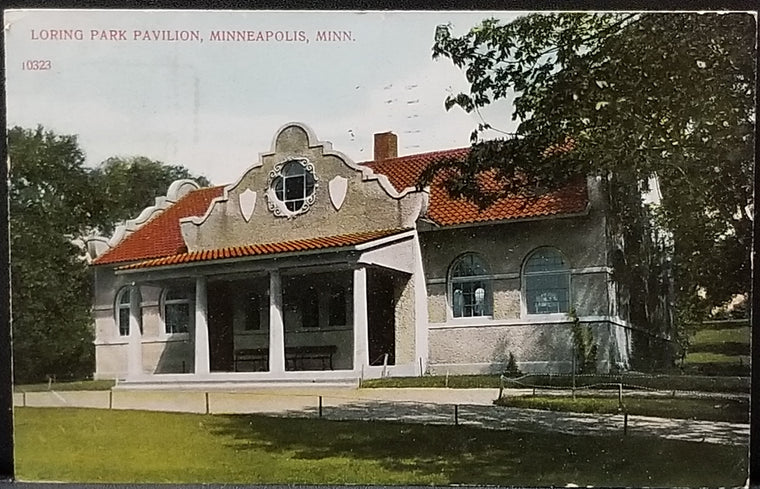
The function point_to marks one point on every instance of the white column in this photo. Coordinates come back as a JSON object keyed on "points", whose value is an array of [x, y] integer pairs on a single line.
{"points": [[201, 327], [276, 324], [361, 347], [134, 356]]}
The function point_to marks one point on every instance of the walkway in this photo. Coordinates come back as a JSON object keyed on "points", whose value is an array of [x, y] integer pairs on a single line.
{"points": [[429, 406]]}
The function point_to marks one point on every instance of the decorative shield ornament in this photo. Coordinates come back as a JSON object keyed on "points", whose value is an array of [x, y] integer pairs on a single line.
{"points": [[247, 203], [338, 187]]}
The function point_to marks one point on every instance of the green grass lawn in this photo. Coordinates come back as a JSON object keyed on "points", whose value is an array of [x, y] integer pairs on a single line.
{"points": [[83, 385], [83, 445], [710, 336], [708, 357], [735, 411], [453, 381], [720, 346], [659, 382]]}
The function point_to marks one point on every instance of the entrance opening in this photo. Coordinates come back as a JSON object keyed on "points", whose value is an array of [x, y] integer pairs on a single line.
{"points": [[250, 320], [381, 316], [220, 327]]}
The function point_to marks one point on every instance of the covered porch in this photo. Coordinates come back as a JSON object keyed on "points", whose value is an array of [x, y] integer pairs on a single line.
{"points": [[298, 317]]}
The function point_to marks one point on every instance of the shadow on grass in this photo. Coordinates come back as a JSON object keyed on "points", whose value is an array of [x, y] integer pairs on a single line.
{"points": [[465, 454]]}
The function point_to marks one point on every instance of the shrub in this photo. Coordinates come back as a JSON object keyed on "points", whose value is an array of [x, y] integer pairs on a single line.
{"points": [[584, 347], [512, 370]]}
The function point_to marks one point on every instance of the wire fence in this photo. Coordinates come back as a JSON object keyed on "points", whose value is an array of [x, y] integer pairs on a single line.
{"points": [[630, 384], [442, 407]]}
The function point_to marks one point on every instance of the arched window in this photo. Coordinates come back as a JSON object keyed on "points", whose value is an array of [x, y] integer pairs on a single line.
{"points": [[122, 311], [547, 282], [176, 311], [470, 287]]}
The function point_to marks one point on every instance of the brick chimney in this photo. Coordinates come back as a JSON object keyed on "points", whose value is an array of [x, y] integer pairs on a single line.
{"points": [[386, 146]]}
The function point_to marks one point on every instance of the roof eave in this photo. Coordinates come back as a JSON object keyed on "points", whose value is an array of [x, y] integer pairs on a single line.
{"points": [[373, 243], [239, 259], [431, 225]]}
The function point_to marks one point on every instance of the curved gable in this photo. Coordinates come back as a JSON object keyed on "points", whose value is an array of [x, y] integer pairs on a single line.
{"points": [[347, 198]]}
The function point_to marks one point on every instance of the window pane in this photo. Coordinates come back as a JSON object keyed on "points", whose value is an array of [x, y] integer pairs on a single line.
{"points": [[294, 188], [293, 168], [309, 184], [177, 318], [277, 185], [124, 321], [458, 305], [468, 266], [546, 294], [175, 294], [294, 205], [543, 260], [124, 297], [471, 298]]}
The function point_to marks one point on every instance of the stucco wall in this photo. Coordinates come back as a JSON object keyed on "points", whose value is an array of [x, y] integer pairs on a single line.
{"points": [[367, 205], [436, 302], [161, 353], [537, 348], [110, 361], [539, 343], [506, 298], [505, 247], [405, 320]]}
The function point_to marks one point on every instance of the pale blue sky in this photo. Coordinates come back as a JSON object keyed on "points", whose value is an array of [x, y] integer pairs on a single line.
{"points": [[213, 107]]}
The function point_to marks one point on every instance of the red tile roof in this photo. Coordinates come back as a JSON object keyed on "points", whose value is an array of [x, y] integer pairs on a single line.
{"points": [[322, 243], [404, 172], [161, 236], [160, 239]]}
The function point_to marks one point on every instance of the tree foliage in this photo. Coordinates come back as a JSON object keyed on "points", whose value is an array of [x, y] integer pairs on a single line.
{"points": [[53, 198], [627, 97], [50, 292], [127, 185]]}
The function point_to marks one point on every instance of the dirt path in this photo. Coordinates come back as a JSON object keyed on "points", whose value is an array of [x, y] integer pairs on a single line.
{"points": [[428, 406]]}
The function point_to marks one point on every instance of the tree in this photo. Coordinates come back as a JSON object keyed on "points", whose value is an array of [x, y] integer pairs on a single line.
{"points": [[50, 291], [626, 97], [127, 185], [54, 198]]}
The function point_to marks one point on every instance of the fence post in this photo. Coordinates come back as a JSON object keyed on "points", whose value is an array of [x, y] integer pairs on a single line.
{"points": [[110, 399], [573, 373], [625, 423], [501, 385], [206, 395], [320, 406], [456, 414], [620, 394], [23, 398]]}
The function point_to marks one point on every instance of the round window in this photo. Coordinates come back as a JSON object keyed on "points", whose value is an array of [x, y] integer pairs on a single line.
{"points": [[292, 185]]}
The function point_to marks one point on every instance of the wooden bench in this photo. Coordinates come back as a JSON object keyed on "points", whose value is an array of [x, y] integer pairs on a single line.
{"points": [[299, 357], [296, 358], [259, 357]]}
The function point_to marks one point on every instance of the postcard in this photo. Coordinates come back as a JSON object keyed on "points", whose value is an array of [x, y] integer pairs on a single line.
{"points": [[381, 247]]}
